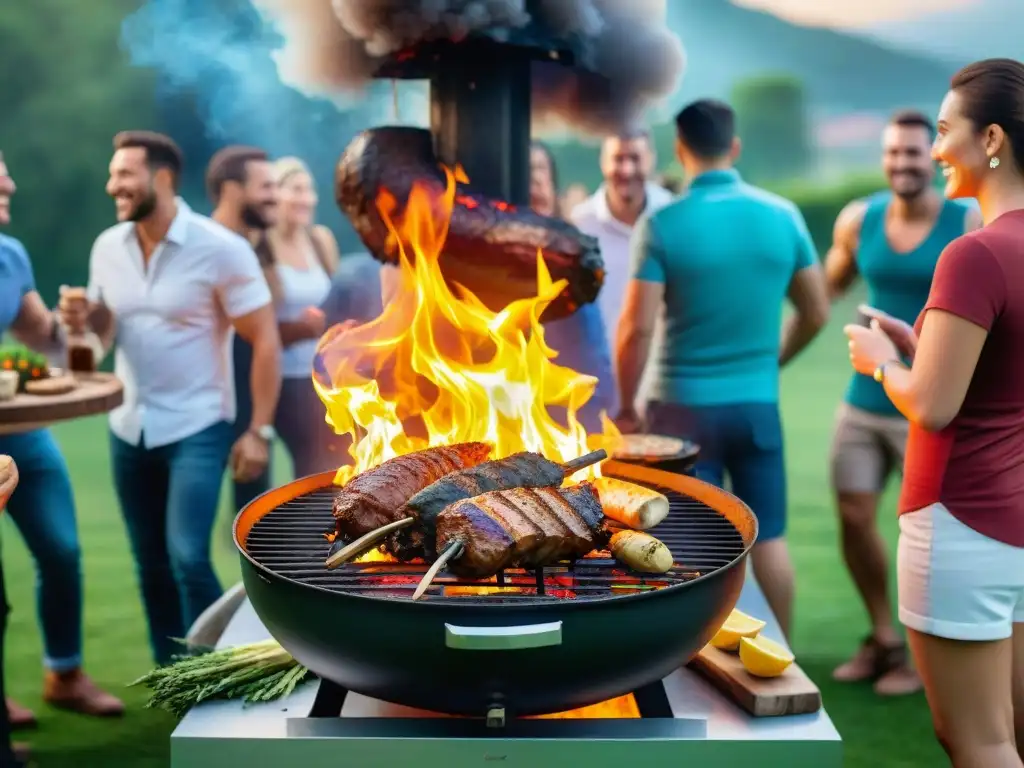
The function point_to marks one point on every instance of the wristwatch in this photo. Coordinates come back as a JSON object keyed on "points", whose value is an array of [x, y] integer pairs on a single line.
{"points": [[879, 374], [267, 433]]}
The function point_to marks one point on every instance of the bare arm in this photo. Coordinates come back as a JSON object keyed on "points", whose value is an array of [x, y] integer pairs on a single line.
{"points": [[809, 296], [633, 339], [808, 293], [931, 393], [841, 259], [36, 326], [259, 329]]}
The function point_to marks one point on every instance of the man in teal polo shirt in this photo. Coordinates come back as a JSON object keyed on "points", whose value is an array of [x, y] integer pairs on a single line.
{"points": [[720, 261]]}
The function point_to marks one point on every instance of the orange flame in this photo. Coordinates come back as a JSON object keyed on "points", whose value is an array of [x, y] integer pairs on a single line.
{"points": [[438, 368]]}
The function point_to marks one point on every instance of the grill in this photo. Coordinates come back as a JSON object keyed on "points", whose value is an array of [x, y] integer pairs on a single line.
{"points": [[290, 541], [570, 636]]}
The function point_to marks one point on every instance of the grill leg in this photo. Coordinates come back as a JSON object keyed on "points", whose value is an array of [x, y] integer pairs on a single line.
{"points": [[330, 698]]}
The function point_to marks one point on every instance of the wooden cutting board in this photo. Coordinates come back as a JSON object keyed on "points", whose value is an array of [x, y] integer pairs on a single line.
{"points": [[792, 693]]}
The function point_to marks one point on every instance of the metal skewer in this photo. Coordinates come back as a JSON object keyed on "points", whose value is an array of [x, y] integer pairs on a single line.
{"points": [[342, 553]]}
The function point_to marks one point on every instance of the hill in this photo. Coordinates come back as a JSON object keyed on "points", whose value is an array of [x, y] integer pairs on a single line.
{"points": [[989, 28], [842, 72]]}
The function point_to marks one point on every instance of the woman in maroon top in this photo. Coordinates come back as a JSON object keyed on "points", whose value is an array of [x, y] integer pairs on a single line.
{"points": [[961, 551]]}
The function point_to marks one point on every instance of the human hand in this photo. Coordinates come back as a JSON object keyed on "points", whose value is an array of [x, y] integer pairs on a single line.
{"points": [[314, 321], [249, 457], [73, 309], [8, 479], [870, 347], [629, 422], [901, 333]]}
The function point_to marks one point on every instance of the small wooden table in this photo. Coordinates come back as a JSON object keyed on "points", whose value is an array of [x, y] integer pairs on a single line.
{"points": [[95, 393]]}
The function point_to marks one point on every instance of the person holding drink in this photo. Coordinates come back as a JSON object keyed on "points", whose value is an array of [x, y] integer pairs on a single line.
{"points": [[44, 508]]}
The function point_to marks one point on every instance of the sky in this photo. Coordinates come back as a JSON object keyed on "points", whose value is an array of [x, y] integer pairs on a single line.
{"points": [[852, 15]]}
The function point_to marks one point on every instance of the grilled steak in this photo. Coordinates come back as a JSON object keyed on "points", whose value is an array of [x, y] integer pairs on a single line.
{"points": [[520, 470], [528, 527], [374, 498], [491, 248]]}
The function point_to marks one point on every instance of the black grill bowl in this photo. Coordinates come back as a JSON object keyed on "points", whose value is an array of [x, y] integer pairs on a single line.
{"points": [[542, 654]]}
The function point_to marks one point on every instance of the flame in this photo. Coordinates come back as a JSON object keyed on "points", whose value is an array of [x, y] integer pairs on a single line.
{"points": [[438, 367]]}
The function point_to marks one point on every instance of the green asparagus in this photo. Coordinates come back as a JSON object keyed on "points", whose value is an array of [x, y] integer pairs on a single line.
{"points": [[257, 672]]}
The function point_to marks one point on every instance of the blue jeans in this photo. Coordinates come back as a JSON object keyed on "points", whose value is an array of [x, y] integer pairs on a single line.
{"points": [[299, 422], [43, 509], [741, 440], [169, 498]]}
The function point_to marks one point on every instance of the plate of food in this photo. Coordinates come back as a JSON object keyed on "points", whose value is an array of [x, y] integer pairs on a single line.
{"points": [[672, 454]]}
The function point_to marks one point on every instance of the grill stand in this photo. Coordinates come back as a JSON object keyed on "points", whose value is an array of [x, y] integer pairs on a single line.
{"points": [[683, 718]]}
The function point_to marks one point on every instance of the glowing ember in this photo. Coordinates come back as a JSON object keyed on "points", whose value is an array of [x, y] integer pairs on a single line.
{"points": [[438, 367]]}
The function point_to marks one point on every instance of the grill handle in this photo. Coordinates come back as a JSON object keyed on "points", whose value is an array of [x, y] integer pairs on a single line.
{"points": [[503, 638]]}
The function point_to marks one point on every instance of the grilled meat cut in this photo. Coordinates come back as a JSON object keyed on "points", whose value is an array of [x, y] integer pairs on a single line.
{"points": [[520, 470], [373, 498], [491, 247], [525, 527]]}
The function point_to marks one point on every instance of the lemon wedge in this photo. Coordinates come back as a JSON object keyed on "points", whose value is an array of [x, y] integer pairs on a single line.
{"points": [[736, 627], [763, 657]]}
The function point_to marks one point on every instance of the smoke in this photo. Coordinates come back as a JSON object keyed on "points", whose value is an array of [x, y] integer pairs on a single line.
{"points": [[628, 61], [221, 52]]}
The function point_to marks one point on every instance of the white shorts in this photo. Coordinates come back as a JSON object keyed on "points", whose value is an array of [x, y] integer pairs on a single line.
{"points": [[955, 582]]}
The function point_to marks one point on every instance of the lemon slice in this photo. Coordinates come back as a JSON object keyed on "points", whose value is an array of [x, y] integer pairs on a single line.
{"points": [[737, 626], [763, 657]]}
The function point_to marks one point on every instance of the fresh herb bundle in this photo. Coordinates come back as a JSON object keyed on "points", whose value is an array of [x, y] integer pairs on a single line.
{"points": [[257, 672]]}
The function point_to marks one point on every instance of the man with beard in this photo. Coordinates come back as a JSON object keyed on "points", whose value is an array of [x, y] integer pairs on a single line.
{"points": [[240, 184], [176, 283], [627, 161], [893, 240]]}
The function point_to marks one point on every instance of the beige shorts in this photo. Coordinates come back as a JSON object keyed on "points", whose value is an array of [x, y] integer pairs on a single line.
{"points": [[866, 449]]}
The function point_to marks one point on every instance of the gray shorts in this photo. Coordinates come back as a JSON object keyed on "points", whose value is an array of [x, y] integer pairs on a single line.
{"points": [[866, 448]]}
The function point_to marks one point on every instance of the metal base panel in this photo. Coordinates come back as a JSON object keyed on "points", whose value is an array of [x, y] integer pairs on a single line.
{"points": [[684, 717]]}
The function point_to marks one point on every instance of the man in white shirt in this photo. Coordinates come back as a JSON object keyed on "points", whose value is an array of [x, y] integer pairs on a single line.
{"points": [[176, 283], [627, 162]]}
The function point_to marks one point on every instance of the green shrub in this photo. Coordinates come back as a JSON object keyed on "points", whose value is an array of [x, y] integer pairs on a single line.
{"points": [[821, 203]]}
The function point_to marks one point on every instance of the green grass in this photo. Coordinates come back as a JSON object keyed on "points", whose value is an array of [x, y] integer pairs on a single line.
{"points": [[829, 620]]}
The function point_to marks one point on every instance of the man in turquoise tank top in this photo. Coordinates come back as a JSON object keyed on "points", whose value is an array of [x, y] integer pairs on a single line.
{"points": [[892, 240], [720, 261]]}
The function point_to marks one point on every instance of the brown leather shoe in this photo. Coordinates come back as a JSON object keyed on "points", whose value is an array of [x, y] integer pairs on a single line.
{"points": [[20, 717], [74, 691]]}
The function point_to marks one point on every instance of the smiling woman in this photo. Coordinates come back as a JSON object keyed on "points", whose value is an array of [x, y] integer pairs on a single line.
{"points": [[961, 549]]}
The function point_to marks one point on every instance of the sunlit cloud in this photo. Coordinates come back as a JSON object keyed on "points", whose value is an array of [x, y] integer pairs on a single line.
{"points": [[859, 14]]}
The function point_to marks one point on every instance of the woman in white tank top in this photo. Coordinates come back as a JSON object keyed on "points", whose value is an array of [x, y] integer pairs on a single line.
{"points": [[299, 259]]}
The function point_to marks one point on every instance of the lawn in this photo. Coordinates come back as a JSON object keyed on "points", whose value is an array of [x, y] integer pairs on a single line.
{"points": [[829, 620]]}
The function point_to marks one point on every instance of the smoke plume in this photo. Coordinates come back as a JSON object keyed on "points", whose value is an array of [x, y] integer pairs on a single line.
{"points": [[629, 59]]}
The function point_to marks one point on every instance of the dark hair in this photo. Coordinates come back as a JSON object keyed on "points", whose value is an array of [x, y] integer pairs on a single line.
{"points": [[161, 151], [913, 119], [707, 127], [552, 166], [992, 92], [230, 164]]}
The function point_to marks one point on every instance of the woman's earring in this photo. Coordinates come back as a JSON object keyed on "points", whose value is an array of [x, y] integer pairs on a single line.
{"points": [[993, 163]]}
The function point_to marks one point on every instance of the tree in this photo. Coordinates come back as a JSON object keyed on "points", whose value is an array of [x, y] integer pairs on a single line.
{"points": [[772, 124], [66, 93]]}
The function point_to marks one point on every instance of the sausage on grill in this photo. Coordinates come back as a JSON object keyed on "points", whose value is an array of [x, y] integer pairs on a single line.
{"points": [[520, 470], [374, 498], [527, 527]]}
